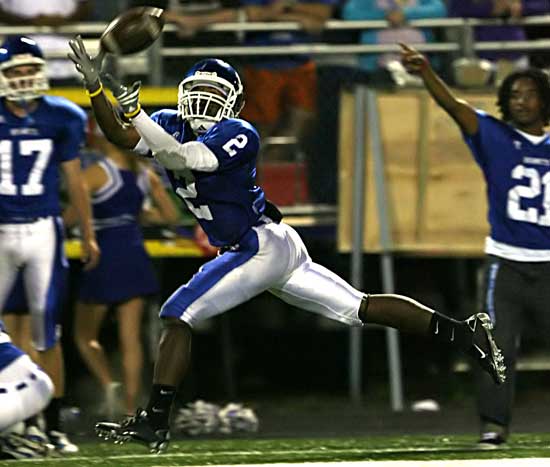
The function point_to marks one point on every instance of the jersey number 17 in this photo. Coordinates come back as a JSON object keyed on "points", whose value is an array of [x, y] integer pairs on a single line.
{"points": [[41, 148]]}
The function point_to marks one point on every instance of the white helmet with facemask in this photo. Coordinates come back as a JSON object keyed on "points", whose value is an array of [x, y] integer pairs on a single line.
{"points": [[18, 51], [211, 91]]}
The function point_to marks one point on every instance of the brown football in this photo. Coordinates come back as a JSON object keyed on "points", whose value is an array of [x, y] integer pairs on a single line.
{"points": [[132, 31]]}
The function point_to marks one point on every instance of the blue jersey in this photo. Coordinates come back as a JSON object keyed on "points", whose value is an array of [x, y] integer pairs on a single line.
{"points": [[517, 173], [31, 152], [226, 202]]}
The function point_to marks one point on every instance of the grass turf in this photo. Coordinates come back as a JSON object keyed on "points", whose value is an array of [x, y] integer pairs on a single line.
{"points": [[251, 451]]}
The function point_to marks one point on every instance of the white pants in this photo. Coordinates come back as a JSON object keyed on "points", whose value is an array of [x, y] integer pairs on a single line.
{"points": [[25, 390], [270, 257], [36, 251]]}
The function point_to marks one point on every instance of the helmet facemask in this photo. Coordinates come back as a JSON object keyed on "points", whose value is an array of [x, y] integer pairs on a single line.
{"points": [[23, 87], [204, 99]]}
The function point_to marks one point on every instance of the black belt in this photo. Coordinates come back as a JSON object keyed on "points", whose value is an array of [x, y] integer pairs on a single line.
{"points": [[273, 212]]}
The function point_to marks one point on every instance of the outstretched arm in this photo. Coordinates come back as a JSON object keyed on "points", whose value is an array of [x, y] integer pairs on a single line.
{"points": [[461, 112], [116, 131]]}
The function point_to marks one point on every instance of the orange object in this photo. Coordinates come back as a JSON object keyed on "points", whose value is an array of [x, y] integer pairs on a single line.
{"points": [[270, 92]]}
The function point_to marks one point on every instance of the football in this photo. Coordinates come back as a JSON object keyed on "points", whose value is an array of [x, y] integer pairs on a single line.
{"points": [[132, 31]]}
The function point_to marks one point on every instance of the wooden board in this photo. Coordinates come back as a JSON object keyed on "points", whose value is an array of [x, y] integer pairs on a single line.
{"points": [[435, 191]]}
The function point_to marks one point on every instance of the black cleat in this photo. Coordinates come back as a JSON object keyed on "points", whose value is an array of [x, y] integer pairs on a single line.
{"points": [[136, 428], [484, 348], [491, 440], [493, 436]]}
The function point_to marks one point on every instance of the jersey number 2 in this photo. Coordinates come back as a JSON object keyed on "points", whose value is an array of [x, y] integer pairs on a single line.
{"points": [[42, 148], [537, 185], [190, 192], [238, 142]]}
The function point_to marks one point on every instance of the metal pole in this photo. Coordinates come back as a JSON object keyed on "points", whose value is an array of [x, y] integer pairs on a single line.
{"points": [[358, 212], [155, 56], [467, 40], [386, 264]]}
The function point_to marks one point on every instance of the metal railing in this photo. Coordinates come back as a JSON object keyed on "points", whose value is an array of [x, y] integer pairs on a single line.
{"points": [[465, 46]]}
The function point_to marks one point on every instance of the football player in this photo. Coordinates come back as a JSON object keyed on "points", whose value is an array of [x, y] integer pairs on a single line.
{"points": [[39, 135], [210, 157], [513, 153], [25, 390]]}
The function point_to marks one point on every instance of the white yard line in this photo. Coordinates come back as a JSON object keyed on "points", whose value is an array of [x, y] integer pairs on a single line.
{"points": [[522, 462], [527, 462]]}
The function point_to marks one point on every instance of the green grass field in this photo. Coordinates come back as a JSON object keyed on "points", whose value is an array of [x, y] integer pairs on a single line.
{"points": [[281, 451]]}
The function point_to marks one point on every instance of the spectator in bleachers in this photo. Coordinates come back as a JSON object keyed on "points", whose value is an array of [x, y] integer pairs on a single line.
{"points": [[503, 61], [48, 13], [397, 13]]}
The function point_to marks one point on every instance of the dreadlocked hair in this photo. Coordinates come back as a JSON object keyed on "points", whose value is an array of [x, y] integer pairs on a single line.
{"points": [[542, 83]]}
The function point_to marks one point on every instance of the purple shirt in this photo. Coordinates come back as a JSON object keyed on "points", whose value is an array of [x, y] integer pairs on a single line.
{"points": [[483, 9]]}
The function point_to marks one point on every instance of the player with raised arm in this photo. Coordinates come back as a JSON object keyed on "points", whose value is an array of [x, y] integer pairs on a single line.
{"points": [[513, 153], [39, 135], [210, 157]]}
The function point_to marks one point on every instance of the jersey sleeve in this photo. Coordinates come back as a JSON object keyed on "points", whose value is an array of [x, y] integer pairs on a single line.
{"points": [[73, 135], [162, 118], [480, 143], [233, 142]]}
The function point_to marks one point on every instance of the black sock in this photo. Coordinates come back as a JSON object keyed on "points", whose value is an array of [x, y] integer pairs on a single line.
{"points": [[52, 415], [450, 331], [160, 404]]}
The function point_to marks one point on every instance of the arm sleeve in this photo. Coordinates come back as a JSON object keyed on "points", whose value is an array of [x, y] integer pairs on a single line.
{"points": [[426, 9], [72, 137], [170, 152], [477, 142]]}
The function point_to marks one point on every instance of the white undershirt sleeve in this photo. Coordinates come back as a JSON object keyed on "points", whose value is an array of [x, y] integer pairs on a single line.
{"points": [[170, 152]]}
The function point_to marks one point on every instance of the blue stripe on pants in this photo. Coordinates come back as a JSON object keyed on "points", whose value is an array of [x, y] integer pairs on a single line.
{"points": [[490, 295], [209, 275], [56, 290]]}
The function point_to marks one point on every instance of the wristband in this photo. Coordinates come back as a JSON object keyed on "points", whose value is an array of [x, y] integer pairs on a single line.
{"points": [[97, 92], [134, 113]]}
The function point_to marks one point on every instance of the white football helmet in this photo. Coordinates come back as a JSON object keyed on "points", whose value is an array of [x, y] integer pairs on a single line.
{"points": [[21, 51], [211, 91]]}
